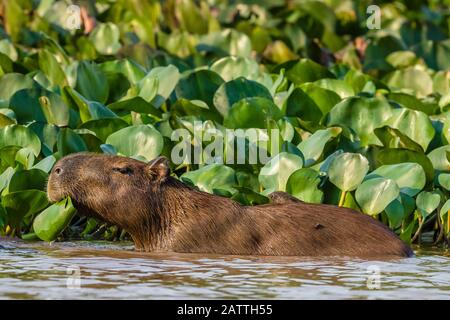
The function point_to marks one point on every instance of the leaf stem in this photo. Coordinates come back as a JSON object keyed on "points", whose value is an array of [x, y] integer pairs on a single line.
{"points": [[342, 198]]}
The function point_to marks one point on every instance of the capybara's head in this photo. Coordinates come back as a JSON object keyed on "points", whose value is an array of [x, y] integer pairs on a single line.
{"points": [[113, 188]]}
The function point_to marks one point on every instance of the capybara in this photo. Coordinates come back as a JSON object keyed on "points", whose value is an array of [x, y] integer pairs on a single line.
{"points": [[162, 213]]}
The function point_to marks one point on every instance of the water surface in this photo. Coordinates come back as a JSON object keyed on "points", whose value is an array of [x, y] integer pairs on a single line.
{"points": [[115, 271]]}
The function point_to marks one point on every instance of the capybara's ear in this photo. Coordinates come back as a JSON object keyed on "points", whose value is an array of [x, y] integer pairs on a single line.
{"points": [[159, 168]]}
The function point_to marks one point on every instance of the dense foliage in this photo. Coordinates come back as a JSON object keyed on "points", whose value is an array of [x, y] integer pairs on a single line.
{"points": [[363, 114]]}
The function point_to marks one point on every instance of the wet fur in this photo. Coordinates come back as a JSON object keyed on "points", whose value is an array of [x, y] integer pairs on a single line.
{"points": [[163, 214]]}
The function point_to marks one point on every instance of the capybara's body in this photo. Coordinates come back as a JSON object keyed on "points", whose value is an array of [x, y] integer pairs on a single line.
{"points": [[163, 214]]}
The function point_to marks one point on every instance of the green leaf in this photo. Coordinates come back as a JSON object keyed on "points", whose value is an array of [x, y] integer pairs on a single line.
{"points": [[21, 204], [160, 81], [252, 112], [347, 170], [70, 142], [27, 180], [362, 115], [104, 127], [395, 213], [92, 82], [199, 85], [140, 140], [414, 124], [45, 164], [10, 83], [312, 147], [374, 195], [340, 87], [304, 185], [55, 110], [212, 177], [394, 138], [409, 176], [415, 80], [226, 42], [17, 135], [53, 220], [105, 38], [304, 70], [427, 202], [439, 159], [231, 92], [299, 104], [230, 68], [52, 68], [323, 98], [393, 156], [275, 173]]}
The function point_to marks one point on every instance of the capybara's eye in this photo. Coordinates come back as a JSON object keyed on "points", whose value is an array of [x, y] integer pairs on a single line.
{"points": [[58, 170], [124, 170]]}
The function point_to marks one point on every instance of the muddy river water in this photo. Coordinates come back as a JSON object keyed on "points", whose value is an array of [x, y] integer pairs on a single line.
{"points": [[98, 270]]}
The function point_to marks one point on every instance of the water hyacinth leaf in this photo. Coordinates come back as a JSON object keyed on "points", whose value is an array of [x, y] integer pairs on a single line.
{"points": [[92, 82], [444, 212], [18, 135], [413, 79], [5, 120], [212, 177], [129, 68], [230, 68], [26, 106], [195, 108], [199, 85], [299, 104], [312, 147], [394, 138], [51, 67], [374, 195], [323, 98], [5, 177], [362, 115], [304, 185], [414, 124], [304, 70], [21, 204], [27, 180], [347, 170], [70, 142], [105, 38], [160, 81], [340, 87], [427, 202], [53, 220], [411, 102], [139, 140], [226, 42], [252, 112], [444, 180], [395, 213], [88, 110], [25, 157], [231, 92], [45, 164], [393, 156], [275, 173], [438, 158], [409, 176], [8, 157], [136, 104], [104, 127], [10, 83], [55, 110]]}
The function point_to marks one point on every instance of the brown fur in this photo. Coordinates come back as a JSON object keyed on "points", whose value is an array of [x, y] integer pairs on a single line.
{"points": [[163, 214]]}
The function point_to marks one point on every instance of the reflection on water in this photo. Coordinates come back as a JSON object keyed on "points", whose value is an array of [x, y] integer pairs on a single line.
{"points": [[114, 271]]}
